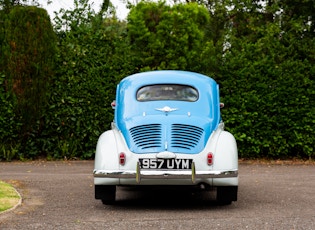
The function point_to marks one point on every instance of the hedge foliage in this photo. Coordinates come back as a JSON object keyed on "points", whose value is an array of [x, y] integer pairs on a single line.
{"points": [[265, 70], [165, 37], [270, 101], [28, 50], [92, 61]]}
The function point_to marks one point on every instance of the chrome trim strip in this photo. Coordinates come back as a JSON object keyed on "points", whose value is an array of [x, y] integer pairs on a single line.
{"points": [[164, 174]]}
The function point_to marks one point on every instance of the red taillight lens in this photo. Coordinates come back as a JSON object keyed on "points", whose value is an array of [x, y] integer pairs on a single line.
{"points": [[122, 158], [210, 158]]}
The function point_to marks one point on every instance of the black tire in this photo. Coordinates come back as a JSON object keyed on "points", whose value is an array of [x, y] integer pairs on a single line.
{"points": [[226, 194], [106, 193]]}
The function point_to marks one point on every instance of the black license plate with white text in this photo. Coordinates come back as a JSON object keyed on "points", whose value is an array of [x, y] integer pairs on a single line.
{"points": [[158, 163]]}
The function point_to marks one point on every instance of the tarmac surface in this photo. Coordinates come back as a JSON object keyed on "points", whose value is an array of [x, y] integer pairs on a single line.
{"points": [[60, 195]]}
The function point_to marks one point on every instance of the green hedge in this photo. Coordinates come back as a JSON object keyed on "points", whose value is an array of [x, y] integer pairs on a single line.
{"points": [[269, 96], [266, 80], [92, 60], [27, 59], [168, 37]]}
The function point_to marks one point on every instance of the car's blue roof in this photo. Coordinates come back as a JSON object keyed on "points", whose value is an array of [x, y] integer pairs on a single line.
{"points": [[167, 76]]}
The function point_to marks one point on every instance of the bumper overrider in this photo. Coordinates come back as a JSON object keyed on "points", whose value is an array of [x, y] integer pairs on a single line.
{"points": [[139, 174]]}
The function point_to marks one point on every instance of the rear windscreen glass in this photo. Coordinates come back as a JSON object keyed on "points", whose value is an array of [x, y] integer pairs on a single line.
{"points": [[167, 92]]}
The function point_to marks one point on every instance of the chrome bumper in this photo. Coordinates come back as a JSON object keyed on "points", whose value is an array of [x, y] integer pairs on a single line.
{"points": [[165, 174]]}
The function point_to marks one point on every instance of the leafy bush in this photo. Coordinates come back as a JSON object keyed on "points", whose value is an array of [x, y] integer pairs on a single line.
{"points": [[93, 57], [167, 37], [270, 96], [9, 123], [29, 49]]}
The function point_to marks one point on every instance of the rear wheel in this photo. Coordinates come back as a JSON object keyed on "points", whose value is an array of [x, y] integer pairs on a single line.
{"points": [[226, 194], [106, 193]]}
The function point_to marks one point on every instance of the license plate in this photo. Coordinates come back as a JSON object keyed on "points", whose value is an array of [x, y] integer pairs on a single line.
{"points": [[153, 163]]}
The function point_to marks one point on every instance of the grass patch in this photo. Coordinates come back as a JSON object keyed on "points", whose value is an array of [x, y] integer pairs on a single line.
{"points": [[8, 196]]}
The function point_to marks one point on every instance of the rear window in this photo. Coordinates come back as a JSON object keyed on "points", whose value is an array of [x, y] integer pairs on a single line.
{"points": [[167, 92]]}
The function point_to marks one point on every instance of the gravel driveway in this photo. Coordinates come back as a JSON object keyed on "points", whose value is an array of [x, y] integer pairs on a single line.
{"points": [[60, 195]]}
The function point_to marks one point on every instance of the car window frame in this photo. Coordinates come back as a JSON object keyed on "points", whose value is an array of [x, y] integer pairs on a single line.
{"points": [[196, 91]]}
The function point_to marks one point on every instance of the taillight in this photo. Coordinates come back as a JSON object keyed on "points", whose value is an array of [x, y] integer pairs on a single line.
{"points": [[210, 158], [122, 158]]}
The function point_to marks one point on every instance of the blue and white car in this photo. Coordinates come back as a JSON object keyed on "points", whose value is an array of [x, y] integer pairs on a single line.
{"points": [[167, 130]]}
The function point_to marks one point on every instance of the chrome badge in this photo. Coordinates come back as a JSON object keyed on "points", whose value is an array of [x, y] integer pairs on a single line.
{"points": [[166, 109]]}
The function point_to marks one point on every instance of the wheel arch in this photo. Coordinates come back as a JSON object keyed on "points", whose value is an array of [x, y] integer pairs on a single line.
{"points": [[106, 156], [226, 153]]}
